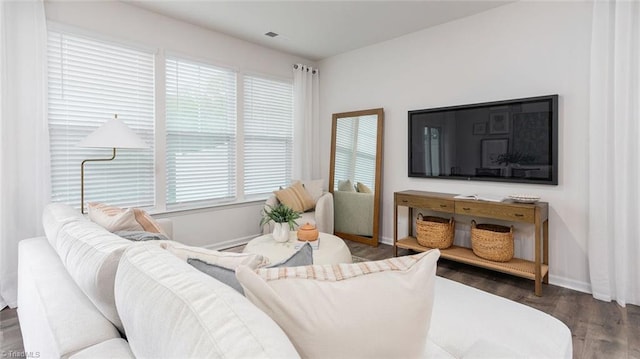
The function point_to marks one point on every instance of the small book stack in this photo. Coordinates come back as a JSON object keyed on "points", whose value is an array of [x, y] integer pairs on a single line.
{"points": [[481, 197], [314, 244]]}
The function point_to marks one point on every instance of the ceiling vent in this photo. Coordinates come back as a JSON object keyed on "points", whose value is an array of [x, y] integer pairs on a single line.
{"points": [[271, 34]]}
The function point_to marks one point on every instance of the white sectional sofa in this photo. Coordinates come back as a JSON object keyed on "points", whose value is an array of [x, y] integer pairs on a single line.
{"points": [[86, 293]]}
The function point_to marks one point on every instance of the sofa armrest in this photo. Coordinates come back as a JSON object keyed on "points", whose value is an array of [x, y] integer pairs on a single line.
{"points": [[167, 226], [324, 213]]}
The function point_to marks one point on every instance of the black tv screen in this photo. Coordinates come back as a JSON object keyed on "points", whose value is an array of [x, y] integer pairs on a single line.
{"points": [[506, 141]]}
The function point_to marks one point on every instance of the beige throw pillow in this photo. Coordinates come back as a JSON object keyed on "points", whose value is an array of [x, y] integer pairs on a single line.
{"points": [[363, 188], [339, 311], [146, 221], [296, 197]]}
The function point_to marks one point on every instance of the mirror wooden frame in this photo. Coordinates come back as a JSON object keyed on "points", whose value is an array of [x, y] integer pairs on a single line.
{"points": [[374, 239]]}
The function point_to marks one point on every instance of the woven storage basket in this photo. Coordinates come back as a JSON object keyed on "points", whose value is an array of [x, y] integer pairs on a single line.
{"points": [[435, 232], [492, 242]]}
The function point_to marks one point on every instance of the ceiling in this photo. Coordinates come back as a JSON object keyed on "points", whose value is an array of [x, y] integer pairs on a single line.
{"points": [[317, 29]]}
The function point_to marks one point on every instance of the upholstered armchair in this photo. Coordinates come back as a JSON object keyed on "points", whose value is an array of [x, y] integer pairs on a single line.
{"points": [[354, 212], [321, 215]]}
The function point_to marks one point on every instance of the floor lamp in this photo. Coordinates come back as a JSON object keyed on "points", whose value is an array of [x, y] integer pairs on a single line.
{"points": [[112, 134]]}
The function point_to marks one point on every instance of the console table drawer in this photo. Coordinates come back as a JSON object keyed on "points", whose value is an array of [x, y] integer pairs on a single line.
{"points": [[502, 211], [435, 204]]}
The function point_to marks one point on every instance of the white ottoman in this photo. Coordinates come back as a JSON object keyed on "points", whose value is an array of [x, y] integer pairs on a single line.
{"points": [[331, 249]]}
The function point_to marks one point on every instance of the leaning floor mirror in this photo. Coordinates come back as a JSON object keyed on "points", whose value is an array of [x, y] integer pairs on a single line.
{"points": [[355, 174]]}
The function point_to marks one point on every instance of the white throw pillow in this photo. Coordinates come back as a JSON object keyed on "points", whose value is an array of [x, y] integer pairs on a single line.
{"points": [[376, 309], [227, 260]]}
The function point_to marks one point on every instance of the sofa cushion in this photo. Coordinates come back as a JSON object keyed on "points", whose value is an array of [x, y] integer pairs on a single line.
{"points": [[188, 314], [91, 254], [497, 325], [316, 305], [55, 216], [113, 348], [56, 317]]}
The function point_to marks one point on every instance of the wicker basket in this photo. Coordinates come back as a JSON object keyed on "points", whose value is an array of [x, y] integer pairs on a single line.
{"points": [[435, 232], [492, 242]]}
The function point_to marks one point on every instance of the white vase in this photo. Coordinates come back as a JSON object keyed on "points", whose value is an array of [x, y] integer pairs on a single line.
{"points": [[281, 232]]}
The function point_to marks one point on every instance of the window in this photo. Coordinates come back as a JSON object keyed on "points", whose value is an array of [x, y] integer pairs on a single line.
{"points": [[201, 132], [90, 81], [268, 134]]}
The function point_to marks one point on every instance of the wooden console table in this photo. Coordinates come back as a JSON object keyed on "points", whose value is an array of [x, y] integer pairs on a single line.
{"points": [[536, 214]]}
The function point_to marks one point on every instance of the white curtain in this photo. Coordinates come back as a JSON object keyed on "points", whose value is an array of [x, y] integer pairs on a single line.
{"points": [[306, 126], [614, 153], [24, 138]]}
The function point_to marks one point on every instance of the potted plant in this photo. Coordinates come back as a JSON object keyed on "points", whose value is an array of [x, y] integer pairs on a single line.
{"points": [[514, 159], [284, 218]]}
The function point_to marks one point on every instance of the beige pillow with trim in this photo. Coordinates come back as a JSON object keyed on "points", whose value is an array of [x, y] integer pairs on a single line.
{"points": [[116, 219], [394, 296], [113, 219], [296, 197]]}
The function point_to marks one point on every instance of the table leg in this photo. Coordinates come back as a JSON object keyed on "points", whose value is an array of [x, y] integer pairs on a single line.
{"points": [[545, 248], [538, 252], [395, 230]]}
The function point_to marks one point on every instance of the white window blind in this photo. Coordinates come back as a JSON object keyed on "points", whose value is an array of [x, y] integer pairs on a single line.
{"points": [[366, 155], [356, 140], [345, 145], [90, 81], [201, 132], [268, 134]]}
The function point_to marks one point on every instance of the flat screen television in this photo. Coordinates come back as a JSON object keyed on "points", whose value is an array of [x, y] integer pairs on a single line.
{"points": [[505, 141]]}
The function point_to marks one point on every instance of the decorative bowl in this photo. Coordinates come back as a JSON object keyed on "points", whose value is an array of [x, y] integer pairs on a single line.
{"points": [[524, 198], [308, 232]]}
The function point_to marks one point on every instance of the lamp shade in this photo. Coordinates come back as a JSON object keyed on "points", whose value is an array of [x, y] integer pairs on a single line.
{"points": [[113, 134]]}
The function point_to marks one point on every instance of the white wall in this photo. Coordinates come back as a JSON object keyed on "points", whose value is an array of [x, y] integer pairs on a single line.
{"points": [[517, 50], [117, 21]]}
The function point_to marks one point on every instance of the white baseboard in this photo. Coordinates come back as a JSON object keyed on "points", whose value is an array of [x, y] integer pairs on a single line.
{"points": [[570, 284], [385, 240], [232, 242]]}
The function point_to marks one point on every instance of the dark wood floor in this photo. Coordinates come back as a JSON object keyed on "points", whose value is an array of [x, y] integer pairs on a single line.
{"points": [[10, 336], [599, 329]]}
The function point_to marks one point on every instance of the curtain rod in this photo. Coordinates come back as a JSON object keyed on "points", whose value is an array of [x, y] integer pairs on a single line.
{"points": [[296, 67]]}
